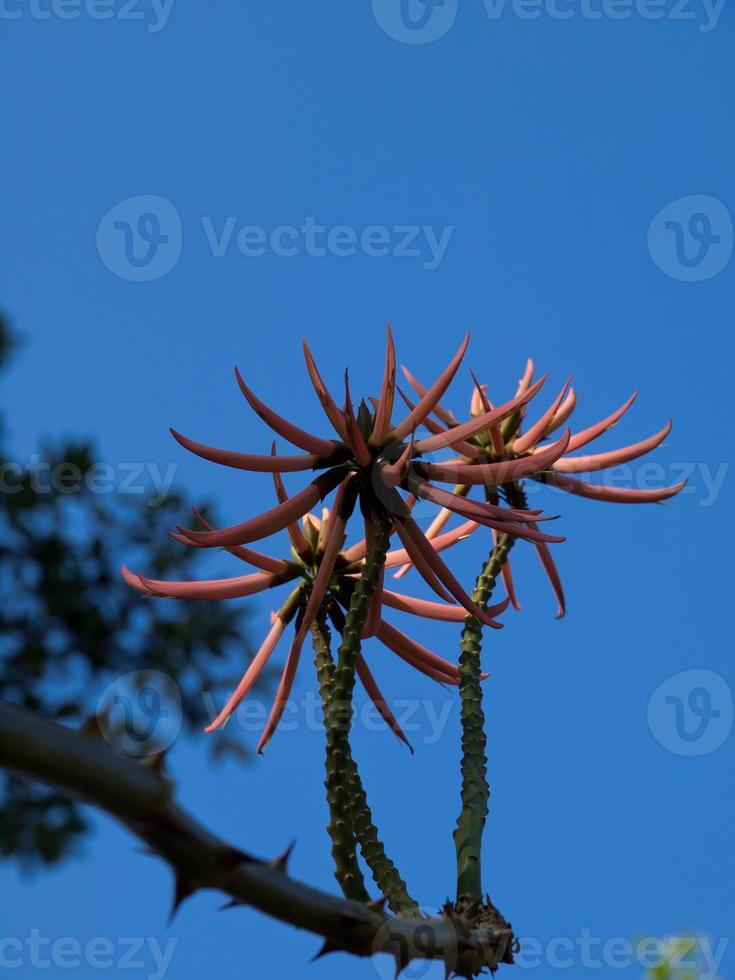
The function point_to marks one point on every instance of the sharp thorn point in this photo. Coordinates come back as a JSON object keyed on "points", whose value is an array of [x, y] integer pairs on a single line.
{"points": [[325, 950], [182, 890], [281, 862]]}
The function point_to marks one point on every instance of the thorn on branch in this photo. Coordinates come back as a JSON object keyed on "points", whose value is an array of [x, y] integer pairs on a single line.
{"points": [[281, 862], [183, 889], [327, 948]]}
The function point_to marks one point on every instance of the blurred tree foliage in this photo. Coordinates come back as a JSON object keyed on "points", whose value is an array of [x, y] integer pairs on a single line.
{"points": [[69, 626]]}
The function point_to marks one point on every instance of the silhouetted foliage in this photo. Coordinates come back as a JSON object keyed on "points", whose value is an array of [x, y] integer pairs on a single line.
{"points": [[69, 626]]}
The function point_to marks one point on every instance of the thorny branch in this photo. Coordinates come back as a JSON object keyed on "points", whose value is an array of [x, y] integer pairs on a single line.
{"points": [[141, 797]]}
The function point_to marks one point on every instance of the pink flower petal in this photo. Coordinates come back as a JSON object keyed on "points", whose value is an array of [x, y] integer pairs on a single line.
{"points": [[600, 461], [284, 691], [615, 495], [327, 402], [507, 576], [467, 429], [276, 565], [466, 448], [523, 443], [482, 514], [410, 531], [248, 461], [223, 588], [384, 407], [375, 695], [494, 474], [393, 474], [443, 498], [354, 436], [564, 413], [440, 543], [417, 557], [481, 403], [444, 414], [272, 521], [587, 435], [295, 534], [428, 401], [252, 674], [441, 611], [525, 382], [375, 608], [434, 610], [418, 656], [435, 528], [343, 506], [292, 433], [553, 575]]}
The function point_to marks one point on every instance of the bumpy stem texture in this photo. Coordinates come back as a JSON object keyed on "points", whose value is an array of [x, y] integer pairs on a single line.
{"points": [[338, 713], [475, 789], [347, 869], [384, 872], [141, 797]]}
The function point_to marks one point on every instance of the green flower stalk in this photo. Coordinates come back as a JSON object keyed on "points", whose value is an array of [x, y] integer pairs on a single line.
{"points": [[384, 872], [338, 709], [475, 788], [341, 828]]}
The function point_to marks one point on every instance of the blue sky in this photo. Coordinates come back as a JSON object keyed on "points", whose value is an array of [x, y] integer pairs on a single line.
{"points": [[528, 157]]}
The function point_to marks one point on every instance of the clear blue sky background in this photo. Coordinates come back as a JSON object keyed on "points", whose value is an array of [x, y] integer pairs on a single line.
{"points": [[549, 146]]}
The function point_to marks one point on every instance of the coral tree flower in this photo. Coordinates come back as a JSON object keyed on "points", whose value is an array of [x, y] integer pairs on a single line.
{"points": [[373, 461], [313, 543], [498, 455]]}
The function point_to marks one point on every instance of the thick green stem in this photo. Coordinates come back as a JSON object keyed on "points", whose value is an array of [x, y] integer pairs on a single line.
{"points": [[385, 873], [475, 789], [341, 831], [338, 712]]}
